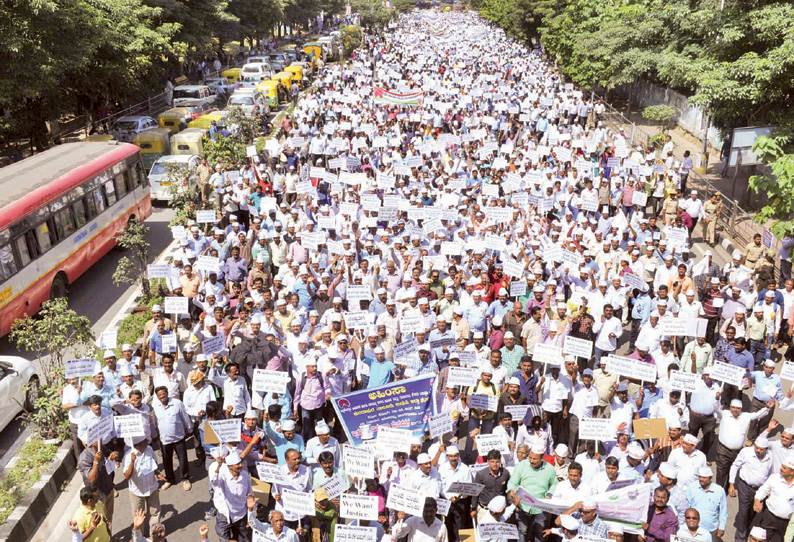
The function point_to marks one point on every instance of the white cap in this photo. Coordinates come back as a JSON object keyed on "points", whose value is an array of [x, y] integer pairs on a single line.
{"points": [[126, 346], [288, 425], [561, 450], [322, 428], [423, 458], [762, 442], [509, 335], [497, 504], [668, 470], [705, 472], [250, 413], [109, 354], [569, 522], [615, 528], [514, 381], [125, 370], [758, 532], [233, 458], [452, 450], [691, 439], [736, 403], [636, 452]]}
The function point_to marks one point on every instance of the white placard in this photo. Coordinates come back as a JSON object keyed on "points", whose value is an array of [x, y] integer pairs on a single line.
{"points": [[169, 342], [298, 502], [162, 271], [639, 198], [108, 339], [466, 489], [389, 440], [227, 430], [100, 429], [336, 485], [411, 323], [208, 264], [631, 368], [497, 531], [178, 232], [578, 347], [518, 288], [730, 374], [175, 305], [787, 371], [358, 462], [213, 345], [130, 425], [546, 353], [483, 401], [596, 429], [271, 472], [358, 507], [406, 500], [516, 411], [680, 380], [267, 381], [633, 281], [358, 292], [76, 368], [486, 443], [678, 327], [463, 376], [207, 216], [440, 424]]}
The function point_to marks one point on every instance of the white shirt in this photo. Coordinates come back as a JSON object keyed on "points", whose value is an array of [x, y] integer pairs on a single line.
{"points": [[583, 402], [778, 451], [553, 393], [604, 330], [196, 400], [230, 492], [414, 529], [779, 496], [72, 397], [143, 481], [663, 409], [299, 481], [565, 492], [687, 465], [590, 466], [733, 431], [428, 485], [235, 394], [750, 469]]}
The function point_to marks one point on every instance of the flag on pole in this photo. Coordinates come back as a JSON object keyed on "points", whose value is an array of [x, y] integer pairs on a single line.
{"points": [[382, 95]]}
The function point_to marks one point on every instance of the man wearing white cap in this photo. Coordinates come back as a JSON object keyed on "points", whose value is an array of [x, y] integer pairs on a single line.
{"points": [[687, 460], [481, 421], [710, 501], [442, 335], [427, 528], [425, 479], [323, 442], [450, 472], [748, 472], [774, 501], [779, 448], [758, 534], [569, 528], [730, 440], [99, 386], [767, 388], [232, 485], [112, 370]]}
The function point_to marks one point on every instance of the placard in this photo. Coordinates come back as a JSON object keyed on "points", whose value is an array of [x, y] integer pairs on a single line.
{"points": [[462, 376], [407, 350], [358, 507], [680, 380], [678, 327], [271, 472], [227, 430], [336, 485], [444, 341], [631, 368], [356, 319], [130, 425], [440, 424], [208, 264], [161, 271], [639, 198], [484, 402], [578, 347], [213, 345], [358, 292], [178, 232], [100, 429], [298, 502], [497, 531], [546, 353], [411, 323], [267, 381], [76, 368], [392, 440], [787, 371], [486, 443], [108, 340], [175, 305], [169, 342], [358, 462], [596, 429], [730, 374], [207, 216], [650, 428], [466, 489], [406, 500], [633, 281], [516, 411], [518, 288]]}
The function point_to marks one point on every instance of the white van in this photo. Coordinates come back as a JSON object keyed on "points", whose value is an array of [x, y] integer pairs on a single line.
{"points": [[158, 175], [183, 93]]}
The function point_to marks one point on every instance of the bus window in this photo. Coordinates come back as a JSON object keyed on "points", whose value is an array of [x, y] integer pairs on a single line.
{"points": [[80, 214], [8, 266], [110, 193], [99, 199], [43, 237], [121, 186], [90, 207], [24, 252], [64, 224], [140, 177]]}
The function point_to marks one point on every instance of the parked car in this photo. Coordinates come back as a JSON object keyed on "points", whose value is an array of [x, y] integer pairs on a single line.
{"points": [[220, 85], [125, 128], [158, 175], [183, 93], [278, 61], [199, 107], [249, 100], [19, 387]]}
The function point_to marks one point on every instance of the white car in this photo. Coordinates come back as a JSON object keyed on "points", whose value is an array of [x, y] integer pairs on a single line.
{"points": [[158, 175], [248, 99], [125, 128], [15, 375]]}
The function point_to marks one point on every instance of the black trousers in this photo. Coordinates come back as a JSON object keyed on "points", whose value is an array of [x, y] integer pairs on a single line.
{"points": [[458, 518], [775, 526], [180, 448], [555, 420], [745, 514], [725, 458], [758, 426], [308, 419], [232, 530], [708, 424]]}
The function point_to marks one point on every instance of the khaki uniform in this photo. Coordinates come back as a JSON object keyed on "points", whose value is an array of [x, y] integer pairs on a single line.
{"points": [[669, 210], [710, 223], [753, 253]]}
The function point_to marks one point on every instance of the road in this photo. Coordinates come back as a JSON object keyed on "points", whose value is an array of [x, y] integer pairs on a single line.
{"points": [[93, 295]]}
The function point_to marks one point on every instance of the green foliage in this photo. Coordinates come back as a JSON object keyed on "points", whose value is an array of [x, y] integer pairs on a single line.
{"points": [[245, 128], [778, 155], [133, 269], [227, 151], [351, 39], [373, 14], [49, 419], [55, 330], [33, 458], [184, 194], [660, 114]]}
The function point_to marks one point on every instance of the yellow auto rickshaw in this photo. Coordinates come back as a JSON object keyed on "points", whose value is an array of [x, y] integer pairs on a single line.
{"points": [[297, 74], [269, 90], [315, 51], [205, 121], [284, 77], [171, 119], [189, 142], [99, 137], [232, 74], [154, 143]]}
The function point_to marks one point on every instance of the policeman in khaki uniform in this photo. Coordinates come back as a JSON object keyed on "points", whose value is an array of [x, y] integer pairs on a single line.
{"points": [[670, 209], [712, 209], [753, 252]]}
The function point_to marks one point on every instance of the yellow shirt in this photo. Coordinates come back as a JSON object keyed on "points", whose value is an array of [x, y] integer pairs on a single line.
{"points": [[83, 518]]}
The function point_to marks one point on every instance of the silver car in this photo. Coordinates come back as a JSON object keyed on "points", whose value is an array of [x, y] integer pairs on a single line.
{"points": [[19, 387], [125, 128]]}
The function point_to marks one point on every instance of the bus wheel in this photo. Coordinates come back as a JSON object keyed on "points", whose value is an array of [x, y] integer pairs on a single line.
{"points": [[60, 288]]}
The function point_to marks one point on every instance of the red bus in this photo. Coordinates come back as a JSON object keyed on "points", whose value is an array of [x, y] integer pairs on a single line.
{"points": [[59, 213]]}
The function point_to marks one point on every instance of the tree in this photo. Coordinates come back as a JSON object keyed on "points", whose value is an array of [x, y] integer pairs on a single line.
{"points": [[777, 154], [53, 332], [134, 270], [660, 114]]}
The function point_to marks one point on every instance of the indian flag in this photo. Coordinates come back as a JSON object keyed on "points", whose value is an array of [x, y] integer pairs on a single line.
{"points": [[382, 95]]}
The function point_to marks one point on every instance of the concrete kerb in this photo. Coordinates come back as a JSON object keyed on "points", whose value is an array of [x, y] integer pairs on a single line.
{"points": [[35, 505]]}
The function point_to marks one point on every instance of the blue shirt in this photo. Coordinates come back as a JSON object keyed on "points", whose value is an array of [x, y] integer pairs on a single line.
{"points": [[762, 383], [380, 373], [711, 503], [642, 309], [496, 308], [304, 297], [282, 444], [172, 420], [741, 359], [527, 386], [442, 357], [648, 399]]}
